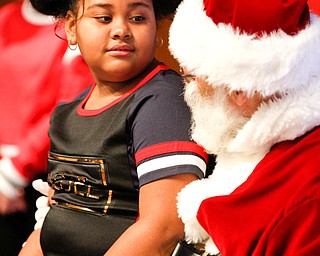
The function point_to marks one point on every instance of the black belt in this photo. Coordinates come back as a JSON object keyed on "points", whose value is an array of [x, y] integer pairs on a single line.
{"points": [[79, 188], [185, 249]]}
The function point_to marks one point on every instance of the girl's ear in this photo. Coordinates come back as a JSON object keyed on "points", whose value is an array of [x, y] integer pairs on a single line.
{"points": [[70, 28], [239, 97]]}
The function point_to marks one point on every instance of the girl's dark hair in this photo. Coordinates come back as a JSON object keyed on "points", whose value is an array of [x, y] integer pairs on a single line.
{"points": [[165, 8], [59, 8]]}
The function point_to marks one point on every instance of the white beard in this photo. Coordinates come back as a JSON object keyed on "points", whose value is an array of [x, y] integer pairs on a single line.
{"points": [[215, 122]]}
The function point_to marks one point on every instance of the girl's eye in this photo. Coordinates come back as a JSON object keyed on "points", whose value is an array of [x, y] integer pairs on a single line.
{"points": [[104, 19], [137, 18]]}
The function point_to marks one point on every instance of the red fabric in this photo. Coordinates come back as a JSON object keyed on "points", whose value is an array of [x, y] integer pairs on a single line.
{"points": [[314, 6], [33, 81], [259, 15], [277, 210]]}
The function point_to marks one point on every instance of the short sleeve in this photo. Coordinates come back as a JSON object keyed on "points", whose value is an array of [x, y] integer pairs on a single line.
{"points": [[160, 131]]}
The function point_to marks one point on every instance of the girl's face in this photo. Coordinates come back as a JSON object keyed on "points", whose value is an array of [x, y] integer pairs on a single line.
{"points": [[117, 38]]}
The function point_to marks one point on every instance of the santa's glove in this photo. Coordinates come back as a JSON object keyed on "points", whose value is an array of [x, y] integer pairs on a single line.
{"points": [[42, 202], [11, 181]]}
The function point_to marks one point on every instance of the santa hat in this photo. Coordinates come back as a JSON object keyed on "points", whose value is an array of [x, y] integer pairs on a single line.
{"points": [[249, 45]]}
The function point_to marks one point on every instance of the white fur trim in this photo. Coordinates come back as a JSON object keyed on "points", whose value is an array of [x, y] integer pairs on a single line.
{"points": [[274, 63], [232, 170], [189, 200], [211, 248]]}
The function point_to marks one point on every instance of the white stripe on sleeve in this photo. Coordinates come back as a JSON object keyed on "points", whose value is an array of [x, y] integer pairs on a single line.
{"points": [[169, 161]]}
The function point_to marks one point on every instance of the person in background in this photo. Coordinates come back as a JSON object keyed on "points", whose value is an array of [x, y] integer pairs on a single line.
{"points": [[252, 77], [121, 150], [37, 71]]}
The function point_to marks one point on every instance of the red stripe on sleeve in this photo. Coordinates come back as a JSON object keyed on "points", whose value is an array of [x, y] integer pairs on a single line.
{"points": [[170, 147]]}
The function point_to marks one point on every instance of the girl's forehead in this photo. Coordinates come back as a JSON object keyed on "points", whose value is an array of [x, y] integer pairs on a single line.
{"points": [[122, 6], [128, 3]]}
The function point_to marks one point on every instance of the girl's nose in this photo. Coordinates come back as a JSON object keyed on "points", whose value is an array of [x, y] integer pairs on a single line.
{"points": [[121, 30]]}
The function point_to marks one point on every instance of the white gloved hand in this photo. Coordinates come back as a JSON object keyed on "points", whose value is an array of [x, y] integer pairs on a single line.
{"points": [[7, 188], [42, 202], [11, 181], [41, 186]]}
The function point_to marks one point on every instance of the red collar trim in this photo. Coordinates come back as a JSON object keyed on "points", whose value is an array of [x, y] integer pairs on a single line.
{"points": [[83, 112]]}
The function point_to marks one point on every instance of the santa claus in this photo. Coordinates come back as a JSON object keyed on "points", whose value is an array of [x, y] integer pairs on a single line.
{"points": [[252, 75]]}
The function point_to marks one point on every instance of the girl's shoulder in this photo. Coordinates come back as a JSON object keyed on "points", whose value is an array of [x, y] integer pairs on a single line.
{"points": [[166, 82]]}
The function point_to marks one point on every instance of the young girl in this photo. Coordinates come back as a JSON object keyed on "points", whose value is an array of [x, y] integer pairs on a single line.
{"points": [[120, 152]]}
